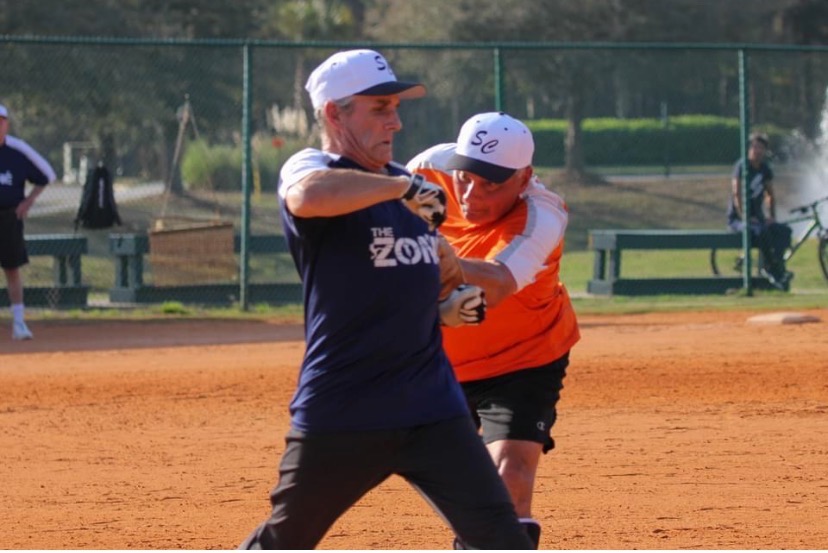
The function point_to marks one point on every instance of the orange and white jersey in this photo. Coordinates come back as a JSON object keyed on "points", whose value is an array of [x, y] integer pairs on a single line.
{"points": [[535, 325]]}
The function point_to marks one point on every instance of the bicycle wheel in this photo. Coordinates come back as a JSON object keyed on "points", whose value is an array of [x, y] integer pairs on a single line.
{"points": [[823, 255], [734, 264], [731, 265], [714, 265]]}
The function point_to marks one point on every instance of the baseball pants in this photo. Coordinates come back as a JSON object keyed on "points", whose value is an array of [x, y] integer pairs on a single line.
{"points": [[322, 475]]}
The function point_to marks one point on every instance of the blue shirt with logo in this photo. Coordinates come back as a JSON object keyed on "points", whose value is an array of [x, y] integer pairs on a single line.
{"points": [[374, 358], [19, 163]]}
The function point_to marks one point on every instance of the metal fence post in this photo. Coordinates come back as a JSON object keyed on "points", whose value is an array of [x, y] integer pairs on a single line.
{"points": [[744, 124], [665, 124], [244, 277], [498, 79]]}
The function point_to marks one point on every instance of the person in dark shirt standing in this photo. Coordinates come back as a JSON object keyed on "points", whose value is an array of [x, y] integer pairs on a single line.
{"points": [[19, 163]]}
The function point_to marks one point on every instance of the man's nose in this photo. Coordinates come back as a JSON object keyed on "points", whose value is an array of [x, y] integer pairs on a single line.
{"points": [[394, 122], [468, 191]]}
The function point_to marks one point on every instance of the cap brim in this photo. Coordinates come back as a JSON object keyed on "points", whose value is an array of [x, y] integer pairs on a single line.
{"points": [[489, 171], [406, 91]]}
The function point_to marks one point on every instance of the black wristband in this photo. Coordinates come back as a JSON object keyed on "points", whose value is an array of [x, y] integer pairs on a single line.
{"points": [[416, 183]]}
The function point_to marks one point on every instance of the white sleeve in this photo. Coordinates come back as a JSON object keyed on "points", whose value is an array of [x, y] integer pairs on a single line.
{"points": [[300, 165], [35, 158], [546, 221], [433, 158]]}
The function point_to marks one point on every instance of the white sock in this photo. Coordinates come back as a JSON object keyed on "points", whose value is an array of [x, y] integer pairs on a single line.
{"points": [[17, 311]]}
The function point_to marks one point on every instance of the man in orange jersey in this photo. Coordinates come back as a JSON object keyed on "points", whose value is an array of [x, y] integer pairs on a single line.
{"points": [[507, 230]]}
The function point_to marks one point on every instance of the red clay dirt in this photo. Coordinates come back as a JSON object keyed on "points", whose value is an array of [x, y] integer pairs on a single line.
{"points": [[676, 431]]}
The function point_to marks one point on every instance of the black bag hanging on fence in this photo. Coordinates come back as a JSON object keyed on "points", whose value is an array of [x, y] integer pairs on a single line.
{"points": [[97, 208]]}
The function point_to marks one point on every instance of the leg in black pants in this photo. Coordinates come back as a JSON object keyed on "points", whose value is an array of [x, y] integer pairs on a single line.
{"points": [[775, 239], [322, 475], [451, 467]]}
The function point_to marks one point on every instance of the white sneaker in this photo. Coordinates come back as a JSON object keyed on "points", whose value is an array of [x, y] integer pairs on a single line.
{"points": [[20, 331]]}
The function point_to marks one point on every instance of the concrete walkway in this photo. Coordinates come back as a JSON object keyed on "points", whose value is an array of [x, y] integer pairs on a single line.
{"points": [[59, 197]]}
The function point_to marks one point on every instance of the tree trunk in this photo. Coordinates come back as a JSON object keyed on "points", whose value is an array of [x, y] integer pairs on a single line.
{"points": [[808, 105], [573, 143], [299, 81], [161, 153]]}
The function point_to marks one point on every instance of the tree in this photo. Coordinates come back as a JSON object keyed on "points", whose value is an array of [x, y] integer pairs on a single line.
{"points": [[806, 22], [307, 20], [105, 94], [577, 83]]}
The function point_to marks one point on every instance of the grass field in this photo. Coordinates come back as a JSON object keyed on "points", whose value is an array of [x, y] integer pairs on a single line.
{"points": [[682, 201]]}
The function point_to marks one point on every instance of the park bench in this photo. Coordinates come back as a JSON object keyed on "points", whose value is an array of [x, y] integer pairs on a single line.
{"points": [[129, 251], [608, 245], [67, 288]]}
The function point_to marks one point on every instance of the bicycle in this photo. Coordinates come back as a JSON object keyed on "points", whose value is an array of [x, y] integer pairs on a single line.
{"points": [[808, 213]]}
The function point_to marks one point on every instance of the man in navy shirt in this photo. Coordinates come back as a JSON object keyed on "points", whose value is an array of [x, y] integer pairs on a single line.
{"points": [[376, 394], [771, 237], [19, 163]]}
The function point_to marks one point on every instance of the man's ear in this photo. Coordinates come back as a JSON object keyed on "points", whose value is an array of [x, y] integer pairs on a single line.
{"points": [[526, 178], [332, 113]]}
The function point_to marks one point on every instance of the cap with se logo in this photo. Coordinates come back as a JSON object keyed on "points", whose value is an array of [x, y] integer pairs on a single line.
{"points": [[493, 146], [357, 73]]}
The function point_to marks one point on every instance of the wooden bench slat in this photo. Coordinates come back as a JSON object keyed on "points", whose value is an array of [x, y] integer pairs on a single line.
{"points": [[56, 244], [672, 239], [138, 244], [609, 243]]}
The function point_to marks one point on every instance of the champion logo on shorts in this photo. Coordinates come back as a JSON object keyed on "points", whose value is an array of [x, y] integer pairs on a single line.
{"points": [[389, 251], [541, 426]]}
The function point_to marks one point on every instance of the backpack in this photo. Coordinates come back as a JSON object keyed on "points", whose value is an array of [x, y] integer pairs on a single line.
{"points": [[97, 208]]}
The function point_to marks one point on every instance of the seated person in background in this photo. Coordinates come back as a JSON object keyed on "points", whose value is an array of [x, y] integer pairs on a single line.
{"points": [[770, 237]]}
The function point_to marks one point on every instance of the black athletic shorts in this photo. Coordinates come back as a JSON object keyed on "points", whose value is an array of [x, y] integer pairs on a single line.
{"points": [[12, 244], [520, 405]]}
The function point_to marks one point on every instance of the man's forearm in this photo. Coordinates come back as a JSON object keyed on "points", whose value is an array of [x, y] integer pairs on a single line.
{"points": [[495, 279], [36, 191], [338, 191], [22, 210]]}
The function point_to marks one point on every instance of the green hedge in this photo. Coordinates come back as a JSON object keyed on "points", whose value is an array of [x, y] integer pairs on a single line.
{"points": [[206, 167], [688, 140]]}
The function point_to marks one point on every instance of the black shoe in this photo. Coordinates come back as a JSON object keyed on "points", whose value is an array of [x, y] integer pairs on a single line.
{"points": [[780, 281], [533, 528], [771, 279], [786, 279]]}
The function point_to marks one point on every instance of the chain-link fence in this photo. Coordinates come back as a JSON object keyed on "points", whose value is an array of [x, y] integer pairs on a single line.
{"points": [[623, 131]]}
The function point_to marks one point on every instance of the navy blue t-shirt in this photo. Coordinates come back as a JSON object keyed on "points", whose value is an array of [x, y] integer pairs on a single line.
{"points": [[374, 357], [20, 163], [758, 179]]}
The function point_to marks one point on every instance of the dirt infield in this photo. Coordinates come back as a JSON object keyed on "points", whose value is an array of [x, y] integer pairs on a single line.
{"points": [[676, 431]]}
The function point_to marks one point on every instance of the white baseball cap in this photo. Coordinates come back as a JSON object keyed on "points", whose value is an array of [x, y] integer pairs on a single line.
{"points": [[493, 146], [357, 72], [3, 111]]}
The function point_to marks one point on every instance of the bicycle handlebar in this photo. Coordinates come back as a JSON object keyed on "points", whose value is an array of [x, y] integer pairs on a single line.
{"points": [[805, 208]]}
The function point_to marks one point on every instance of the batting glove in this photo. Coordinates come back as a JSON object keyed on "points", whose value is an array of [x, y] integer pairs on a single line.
{"points": [[426, 200], [466, 305]]}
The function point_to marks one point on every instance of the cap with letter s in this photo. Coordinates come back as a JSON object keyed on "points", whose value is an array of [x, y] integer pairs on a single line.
{"points": [[493, 145], [357, 73]]}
